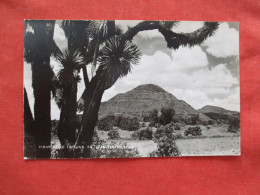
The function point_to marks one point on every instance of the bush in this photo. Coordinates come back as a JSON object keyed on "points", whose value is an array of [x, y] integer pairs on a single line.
{"points": [[113, 134], [107, 123], [128, 123], [164, 131], [191, 119], [177, 126], [166, 116], [165, 147], [152, 117], [234, 125], [165, 142], [123, 122], [206, 123], [194, 131], [143, 134]]}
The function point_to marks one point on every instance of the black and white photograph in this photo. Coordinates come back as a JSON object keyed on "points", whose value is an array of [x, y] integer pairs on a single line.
{"points": [[130, 89]]}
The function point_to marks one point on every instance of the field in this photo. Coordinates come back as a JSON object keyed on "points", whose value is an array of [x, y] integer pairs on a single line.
{"points": [[213, 142]]}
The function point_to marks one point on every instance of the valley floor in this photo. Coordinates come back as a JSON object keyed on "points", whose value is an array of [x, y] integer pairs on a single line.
{"points": [[213, 142], [225, 146]]}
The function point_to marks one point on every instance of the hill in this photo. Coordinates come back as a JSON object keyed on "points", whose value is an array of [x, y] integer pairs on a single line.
{"points": [[215, 109], [143, 99], [216, 113]]}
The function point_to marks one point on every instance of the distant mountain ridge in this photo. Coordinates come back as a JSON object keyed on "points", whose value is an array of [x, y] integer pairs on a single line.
{"points": [[218, 113], [215, 109]]}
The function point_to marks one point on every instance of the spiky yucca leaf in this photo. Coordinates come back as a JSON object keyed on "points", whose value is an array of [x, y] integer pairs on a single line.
{"points": [[70, 61], [116, 59], [98, 27]]}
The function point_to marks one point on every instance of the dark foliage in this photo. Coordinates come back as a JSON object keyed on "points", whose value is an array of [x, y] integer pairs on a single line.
{"points": [[123, 122], [177, 126], [166, 147], [107, 123], [113, 134], [151, 117], [234, 125], [166, 116], [143, 134], [164, 131], [128, 123], [194, 131]]}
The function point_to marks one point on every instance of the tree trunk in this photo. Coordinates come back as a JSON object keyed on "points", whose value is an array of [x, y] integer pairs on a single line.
{"points": [[42, 110], [67, 123], [92, 97], [41, 82]]}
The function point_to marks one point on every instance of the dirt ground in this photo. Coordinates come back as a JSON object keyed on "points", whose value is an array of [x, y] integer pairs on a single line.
{"points": [[213, 142]]}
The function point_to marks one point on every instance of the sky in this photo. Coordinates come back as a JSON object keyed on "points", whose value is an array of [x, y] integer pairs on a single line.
{"points": [[206, 74]]}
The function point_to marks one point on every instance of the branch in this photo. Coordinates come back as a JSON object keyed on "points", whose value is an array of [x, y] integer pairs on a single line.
{"points": [[174, 40]]}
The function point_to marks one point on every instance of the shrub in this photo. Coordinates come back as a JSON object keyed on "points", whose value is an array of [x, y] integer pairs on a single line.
{"points": [[151, 117], [143, 134], [166, 116], [128, 123], [164, 131], [234, 125], [194, 131], [165, 147], [165, 142], [191, 119], [177, 126], [107, 123], [113, 134]]}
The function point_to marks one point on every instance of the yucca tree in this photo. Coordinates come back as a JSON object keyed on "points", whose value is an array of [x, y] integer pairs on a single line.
{"points": [[116, 57], [38, 47], [68, 78]]}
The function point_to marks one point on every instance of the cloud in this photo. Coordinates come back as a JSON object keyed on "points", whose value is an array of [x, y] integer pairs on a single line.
{"points": [[187, 26], [124, 24], [224, 43], [186, 75]]}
